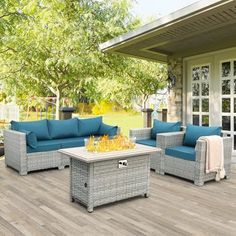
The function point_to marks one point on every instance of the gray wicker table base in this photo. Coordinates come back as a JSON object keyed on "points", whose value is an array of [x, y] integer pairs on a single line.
{"points": [[96, 184], [102, 180]]}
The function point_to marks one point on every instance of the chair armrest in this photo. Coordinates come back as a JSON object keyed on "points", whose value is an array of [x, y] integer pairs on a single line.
{"points": [[15, 150], [118, 130], [143, 133], [201, 150], [171, 139]]}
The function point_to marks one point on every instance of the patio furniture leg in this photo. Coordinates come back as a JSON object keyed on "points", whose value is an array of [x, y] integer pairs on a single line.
{"points": [[23, 172], [227, 177], [198, 182], [90, 209], [61, 167], [146, 195]]}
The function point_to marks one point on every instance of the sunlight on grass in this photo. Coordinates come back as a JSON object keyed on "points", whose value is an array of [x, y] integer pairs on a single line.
{"points": [[125, 120]]}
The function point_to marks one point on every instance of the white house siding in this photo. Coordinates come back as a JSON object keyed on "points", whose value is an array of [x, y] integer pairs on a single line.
{"points": [[214, 60]]}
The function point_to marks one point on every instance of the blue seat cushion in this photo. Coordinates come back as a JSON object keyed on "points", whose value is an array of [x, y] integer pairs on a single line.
{"points": [[72, 142], [40, 128], [148, 142], [107, 130], [31, 139], [63, 128], [55, 144], [164, 127], [89, 126], [45, 146], [194, 132], [182, 152]]}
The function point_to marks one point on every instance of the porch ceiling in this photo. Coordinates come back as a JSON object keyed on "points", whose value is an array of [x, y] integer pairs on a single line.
{"points": [[199, 28]]}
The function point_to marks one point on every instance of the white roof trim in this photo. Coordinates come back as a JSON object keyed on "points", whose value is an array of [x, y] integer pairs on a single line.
{"points": [[185, 12]]}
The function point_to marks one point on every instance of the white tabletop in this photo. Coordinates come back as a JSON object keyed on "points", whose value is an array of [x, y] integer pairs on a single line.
{"points": [[82, 154]]}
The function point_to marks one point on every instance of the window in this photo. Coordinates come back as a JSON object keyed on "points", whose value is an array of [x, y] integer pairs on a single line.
{"points": [[200, 94]]}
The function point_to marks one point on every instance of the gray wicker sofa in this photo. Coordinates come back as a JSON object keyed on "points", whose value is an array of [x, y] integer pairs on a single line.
{"points": [[31, 146]]}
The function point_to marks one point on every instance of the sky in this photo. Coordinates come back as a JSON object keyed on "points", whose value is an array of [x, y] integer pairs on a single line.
{"points": [[157, 8]]}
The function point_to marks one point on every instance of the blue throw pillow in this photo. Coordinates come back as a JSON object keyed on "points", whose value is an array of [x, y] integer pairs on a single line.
{"points": [[31, 139], [63, 128], [193, 132], [107, 130], [164, 127], [40, 128], [89, 126]]}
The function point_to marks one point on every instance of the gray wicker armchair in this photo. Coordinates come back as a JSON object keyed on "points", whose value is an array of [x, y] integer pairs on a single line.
{"points": [[141, 136], [192, 170]]}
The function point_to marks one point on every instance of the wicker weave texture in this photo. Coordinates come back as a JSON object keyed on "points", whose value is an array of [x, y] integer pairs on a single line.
{"points": [[145, 133], [103, 182], [140, 134], [17, 157], [192, 170]]}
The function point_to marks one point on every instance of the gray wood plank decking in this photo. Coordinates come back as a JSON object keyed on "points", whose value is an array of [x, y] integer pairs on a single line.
{"points": [[38, 204]]}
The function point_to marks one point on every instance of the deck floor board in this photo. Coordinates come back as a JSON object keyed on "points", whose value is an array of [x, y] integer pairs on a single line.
{"points": [[38, 204]]}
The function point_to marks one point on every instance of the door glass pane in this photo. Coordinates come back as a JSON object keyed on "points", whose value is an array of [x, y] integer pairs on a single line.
{"points": [[226, 69], [205, 72], [226, 87], [234, 105], [205, 120], [235, 123], [235, 86], [234, 142], [195, 105], [205, 105], [225, 104], [205, 89], [234, 68], [196, 89], [196, 73], [195, 119], [226, 122]]}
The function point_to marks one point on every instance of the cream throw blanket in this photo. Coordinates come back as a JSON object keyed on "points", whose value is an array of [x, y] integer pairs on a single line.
{"points": [[214, 155]]}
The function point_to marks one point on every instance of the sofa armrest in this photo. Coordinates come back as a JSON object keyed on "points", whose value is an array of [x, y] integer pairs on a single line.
{"points": [[171, 139], [140, 133], [15, 150]]}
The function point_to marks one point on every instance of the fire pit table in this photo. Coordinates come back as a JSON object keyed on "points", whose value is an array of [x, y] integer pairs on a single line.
{"points": [[100, 178]]}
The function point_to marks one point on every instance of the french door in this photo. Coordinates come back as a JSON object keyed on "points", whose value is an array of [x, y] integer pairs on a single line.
{"points": [[228, 98]]}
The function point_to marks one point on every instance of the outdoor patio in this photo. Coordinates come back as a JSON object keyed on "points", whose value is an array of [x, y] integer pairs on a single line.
{"points": [[38, 204]]}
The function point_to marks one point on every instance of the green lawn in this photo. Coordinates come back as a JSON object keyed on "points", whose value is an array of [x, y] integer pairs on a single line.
{"points": [[125, 120]]}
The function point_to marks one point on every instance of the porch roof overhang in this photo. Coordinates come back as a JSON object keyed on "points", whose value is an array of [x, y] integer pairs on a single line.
{"points": [[204, 26]]}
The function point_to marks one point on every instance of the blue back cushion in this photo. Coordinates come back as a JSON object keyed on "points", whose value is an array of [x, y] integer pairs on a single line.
{"points": [[107, 130], [193, 132], [31, 139], [63, 128], [40, 128], [89, 126], [164, 127]]}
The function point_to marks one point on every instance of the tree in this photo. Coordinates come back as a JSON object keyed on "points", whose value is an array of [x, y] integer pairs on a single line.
{"points": [[135, 79], [54, 51], [55, 46]]}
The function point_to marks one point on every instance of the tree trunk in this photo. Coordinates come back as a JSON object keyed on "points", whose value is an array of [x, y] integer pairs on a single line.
{"points": [[58, 94]]}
